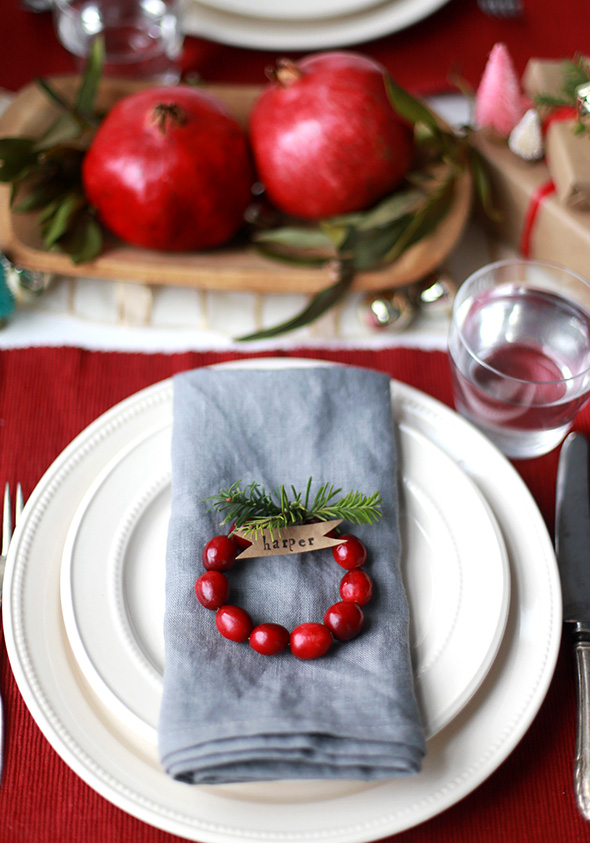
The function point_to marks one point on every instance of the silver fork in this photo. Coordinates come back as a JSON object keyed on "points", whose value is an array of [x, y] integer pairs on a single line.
{"points": [[6, 537], [501, 8]]}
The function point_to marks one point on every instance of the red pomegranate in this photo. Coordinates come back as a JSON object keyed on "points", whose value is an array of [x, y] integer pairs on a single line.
{"points": [[325, 138], [169, 169]]}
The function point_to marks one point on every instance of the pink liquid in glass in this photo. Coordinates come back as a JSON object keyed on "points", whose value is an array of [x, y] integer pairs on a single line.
{"points": [[520, 366]]}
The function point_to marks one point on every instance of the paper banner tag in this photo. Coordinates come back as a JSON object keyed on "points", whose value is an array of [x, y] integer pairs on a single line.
{"points": [[301, 538]]}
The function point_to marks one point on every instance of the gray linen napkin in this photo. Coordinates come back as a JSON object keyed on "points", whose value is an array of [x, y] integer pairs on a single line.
{"points": [[228, 713]]}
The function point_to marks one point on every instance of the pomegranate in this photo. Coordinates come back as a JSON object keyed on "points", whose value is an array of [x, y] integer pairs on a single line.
{"points": [[169, 169], [325, 138]]}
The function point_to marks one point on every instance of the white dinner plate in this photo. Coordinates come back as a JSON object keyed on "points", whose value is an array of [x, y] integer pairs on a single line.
{"points": [[124, 768], [273, 33], [113, 577], [290, 10]]}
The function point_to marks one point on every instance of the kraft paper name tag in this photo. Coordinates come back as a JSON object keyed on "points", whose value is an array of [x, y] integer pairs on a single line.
{"points": [[301, 538]]}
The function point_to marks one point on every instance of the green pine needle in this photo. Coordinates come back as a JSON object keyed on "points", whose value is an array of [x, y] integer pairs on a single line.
{"points": [[253, 509]]}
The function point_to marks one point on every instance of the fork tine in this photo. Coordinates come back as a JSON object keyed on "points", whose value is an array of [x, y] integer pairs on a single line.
{"points": [[6, 521], [19, 503]]}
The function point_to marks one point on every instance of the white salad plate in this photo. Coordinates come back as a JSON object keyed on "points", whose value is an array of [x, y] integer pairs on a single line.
{"points": [[122, 765], [277, 33], [112, 580]]}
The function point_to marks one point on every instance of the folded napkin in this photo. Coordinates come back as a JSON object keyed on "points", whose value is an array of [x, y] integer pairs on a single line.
{"points": [[228, 713]]}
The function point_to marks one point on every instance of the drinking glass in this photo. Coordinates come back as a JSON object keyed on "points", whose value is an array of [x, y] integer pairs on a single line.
{"points": [[519, 349], [143, 38]]}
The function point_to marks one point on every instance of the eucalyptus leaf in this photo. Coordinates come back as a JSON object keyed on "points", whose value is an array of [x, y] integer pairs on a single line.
{"points": [[57, 225], [38, 196], [482, 186], [87, 91], [410, 108], [425, 221], [392, 208], [291, 236], [320, 303], [47, 212], [84, 239], [17, 156], [16, 146], [371, 248], [65, 129], [289, 256]]}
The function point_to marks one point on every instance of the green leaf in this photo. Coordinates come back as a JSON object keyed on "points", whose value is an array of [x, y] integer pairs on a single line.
{"points": [[389, 210], [320, 303], [18, 146], [38, 197], [371, 248], [425, 220], [482, 186], [410, 108], [17, 157], [91, 79], [293, 237], [57, 224], [63, 130], [83, 240]]}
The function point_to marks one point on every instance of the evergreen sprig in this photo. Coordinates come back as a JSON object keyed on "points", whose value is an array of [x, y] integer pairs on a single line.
{"points": [[45, 173], [575, 72], [253, 509]]}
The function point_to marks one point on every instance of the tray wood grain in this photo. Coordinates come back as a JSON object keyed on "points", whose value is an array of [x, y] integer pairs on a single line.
{"points": [[229, 268]]}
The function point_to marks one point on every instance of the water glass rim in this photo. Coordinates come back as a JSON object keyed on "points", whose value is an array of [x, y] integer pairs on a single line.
{"points": [[487, 268]]}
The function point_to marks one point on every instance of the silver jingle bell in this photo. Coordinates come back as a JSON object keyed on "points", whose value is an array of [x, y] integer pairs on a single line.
{"points": [[390, 310], [434, 296]]}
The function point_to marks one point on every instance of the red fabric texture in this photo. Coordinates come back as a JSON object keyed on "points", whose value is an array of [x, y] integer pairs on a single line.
{"points": [[47, 396], [455, 39]]}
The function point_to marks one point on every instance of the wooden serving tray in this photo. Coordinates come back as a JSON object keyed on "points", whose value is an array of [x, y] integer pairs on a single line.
{"points": [[227, 268]]}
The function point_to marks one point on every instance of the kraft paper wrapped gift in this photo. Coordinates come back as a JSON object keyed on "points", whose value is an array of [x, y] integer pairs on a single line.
{"points": [[539, 224], [567, 153]]}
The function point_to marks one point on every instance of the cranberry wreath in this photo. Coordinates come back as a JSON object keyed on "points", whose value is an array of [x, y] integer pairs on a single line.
{"points": [[256, 511]]}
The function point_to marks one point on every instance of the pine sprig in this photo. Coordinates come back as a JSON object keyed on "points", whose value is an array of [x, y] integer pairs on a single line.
{"points": [[253, 509], [575, 73]]}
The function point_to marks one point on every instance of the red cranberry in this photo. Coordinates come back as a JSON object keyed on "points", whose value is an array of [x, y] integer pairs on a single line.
{"points": [[351, 553], [310, 640], [219, 554], [356, 587], [241, 541], [344, 620], [234, 623], [212, 589], [269, 639]]}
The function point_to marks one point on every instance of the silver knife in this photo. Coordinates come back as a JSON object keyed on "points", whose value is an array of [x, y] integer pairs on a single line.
{"points": [[572, 543]]}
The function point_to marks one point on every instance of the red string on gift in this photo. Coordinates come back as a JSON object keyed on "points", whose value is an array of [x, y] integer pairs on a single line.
{"points": [[545, 189], [537, 197]]}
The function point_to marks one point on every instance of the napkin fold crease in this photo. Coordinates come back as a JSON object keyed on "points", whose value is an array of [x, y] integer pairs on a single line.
{"points": [[228, 713]]}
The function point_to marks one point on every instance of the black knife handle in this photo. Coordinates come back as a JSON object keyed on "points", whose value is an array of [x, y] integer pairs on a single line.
{"points": [[582, 764]]}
